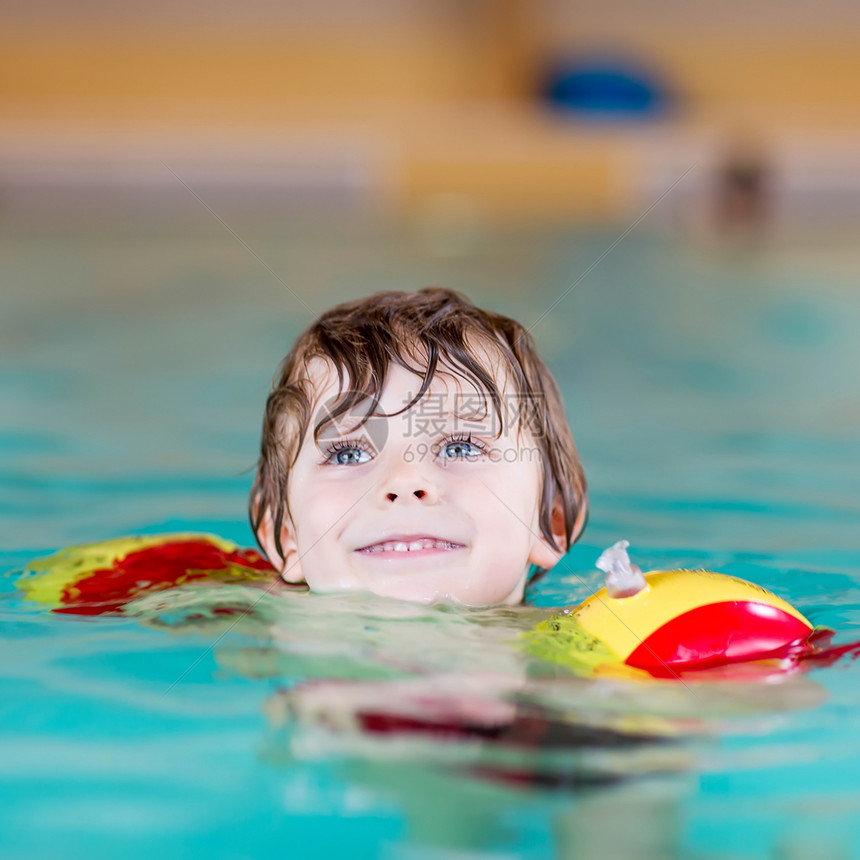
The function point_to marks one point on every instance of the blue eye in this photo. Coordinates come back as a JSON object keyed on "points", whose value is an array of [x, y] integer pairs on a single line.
{"points": [[459, 449], [347, 454]]}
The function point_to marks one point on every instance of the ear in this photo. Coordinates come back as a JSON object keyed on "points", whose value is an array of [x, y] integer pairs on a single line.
{"points": [[542, 553], [581, 518], [288, 565]]}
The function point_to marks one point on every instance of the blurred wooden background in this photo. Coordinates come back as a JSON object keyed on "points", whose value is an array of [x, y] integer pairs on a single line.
{"points": [[420, 105]]}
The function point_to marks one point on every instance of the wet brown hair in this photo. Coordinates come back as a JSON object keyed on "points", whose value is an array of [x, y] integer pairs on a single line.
{"points": [[430, 331]]}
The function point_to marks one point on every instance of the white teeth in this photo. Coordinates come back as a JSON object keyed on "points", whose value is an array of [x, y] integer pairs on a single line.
{"points": [[412, 546]]}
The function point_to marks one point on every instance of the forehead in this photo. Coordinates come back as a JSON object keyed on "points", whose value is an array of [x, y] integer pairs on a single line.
{"points": [[453, 402], [450, 387]]}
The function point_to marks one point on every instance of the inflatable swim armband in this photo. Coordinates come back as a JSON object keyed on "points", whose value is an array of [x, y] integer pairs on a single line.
{"points": [[101, 578], [668, 622]]}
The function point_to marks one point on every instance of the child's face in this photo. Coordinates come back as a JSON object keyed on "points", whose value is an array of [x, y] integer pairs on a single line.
{"points": [[413, 506]]}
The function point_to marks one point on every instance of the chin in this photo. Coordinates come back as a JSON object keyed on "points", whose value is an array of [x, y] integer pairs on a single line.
{"points": [[410, 595]]}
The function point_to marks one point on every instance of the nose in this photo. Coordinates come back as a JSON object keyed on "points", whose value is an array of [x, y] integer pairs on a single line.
{"points": [[418, 494], [409, 484]]}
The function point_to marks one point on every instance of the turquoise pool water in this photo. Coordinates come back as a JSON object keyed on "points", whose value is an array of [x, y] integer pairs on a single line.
{"points": [[714, 398]]}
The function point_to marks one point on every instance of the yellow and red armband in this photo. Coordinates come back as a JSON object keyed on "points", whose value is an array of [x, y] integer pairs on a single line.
{"points": [[101, 578], [672, 621], [693, 619]]}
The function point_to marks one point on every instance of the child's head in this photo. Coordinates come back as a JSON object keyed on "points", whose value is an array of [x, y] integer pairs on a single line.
{"points": [[416, 447]]}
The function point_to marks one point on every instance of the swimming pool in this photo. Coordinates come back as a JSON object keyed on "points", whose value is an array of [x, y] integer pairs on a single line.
{"points": [[713, 395]]}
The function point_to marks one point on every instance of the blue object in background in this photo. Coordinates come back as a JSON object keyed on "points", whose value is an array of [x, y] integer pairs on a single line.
{"points": [[605, 88]]}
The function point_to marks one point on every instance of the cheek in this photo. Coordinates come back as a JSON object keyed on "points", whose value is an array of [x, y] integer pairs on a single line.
{"points": [[319, 505], [510, 499], [512, 524], [306, 504], [312, 516], [508, 524]]}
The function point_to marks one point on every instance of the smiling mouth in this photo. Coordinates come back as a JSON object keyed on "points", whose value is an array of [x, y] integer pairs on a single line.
{"points": [[410, 546]]}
